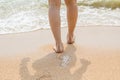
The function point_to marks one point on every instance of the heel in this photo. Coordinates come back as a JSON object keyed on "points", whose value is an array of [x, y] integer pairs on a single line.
{"points": [[59, 48], [70, 40]]}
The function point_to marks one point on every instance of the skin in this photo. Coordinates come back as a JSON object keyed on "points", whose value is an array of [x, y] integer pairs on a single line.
{"points": [[55, 21]]}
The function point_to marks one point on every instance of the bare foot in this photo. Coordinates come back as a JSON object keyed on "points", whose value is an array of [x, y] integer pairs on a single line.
{"points": [[70, 39], [59, 48]]}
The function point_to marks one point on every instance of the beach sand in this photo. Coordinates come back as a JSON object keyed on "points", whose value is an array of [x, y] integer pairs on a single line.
{"points": [[29, 55]]}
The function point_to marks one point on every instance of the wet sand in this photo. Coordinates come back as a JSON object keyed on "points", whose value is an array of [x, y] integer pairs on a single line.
{"points": [[29, 55]]}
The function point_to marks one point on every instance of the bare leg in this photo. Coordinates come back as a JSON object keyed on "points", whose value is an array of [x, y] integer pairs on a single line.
{"points": [[55, 23], [72, 14]]}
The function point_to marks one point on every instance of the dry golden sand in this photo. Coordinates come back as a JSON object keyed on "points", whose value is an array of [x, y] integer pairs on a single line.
{"points": [[29, 56]]}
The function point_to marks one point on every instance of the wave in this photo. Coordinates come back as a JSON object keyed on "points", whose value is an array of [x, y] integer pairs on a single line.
{"points": [[27, 15], [10, 7], [113, 4]]}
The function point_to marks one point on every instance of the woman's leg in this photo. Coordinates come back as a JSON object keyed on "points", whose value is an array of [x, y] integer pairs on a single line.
{"points": [[72, 14], [55, 23]]}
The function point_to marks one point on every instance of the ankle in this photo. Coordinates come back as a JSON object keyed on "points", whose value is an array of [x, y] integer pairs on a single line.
{"points": [[58, 43], [70, 35]]}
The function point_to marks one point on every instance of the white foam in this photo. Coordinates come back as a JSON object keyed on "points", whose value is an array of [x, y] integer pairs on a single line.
{"points": [[27, 15]]}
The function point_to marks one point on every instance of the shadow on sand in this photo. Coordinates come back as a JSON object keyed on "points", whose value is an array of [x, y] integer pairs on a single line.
{"points": [[49, 67]]}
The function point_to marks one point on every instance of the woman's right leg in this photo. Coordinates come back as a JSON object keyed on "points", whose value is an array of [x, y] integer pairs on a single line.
{"points": [[72, 14], [55, 23]]}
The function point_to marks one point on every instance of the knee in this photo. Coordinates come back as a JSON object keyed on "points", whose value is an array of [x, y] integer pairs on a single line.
{"points": [[54, 4], [70, 3]]}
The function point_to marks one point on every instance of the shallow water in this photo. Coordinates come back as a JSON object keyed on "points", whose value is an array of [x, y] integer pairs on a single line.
{"points": [[27, 15]]}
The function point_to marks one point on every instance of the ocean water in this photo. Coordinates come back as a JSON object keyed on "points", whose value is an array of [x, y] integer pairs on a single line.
{"points": [[28, 15]]}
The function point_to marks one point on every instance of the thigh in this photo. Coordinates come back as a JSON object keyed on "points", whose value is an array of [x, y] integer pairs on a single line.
{"points": [[54, 2]]}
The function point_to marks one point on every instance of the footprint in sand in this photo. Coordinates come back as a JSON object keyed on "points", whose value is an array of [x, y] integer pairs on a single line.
{"points": [[65, 61]]}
